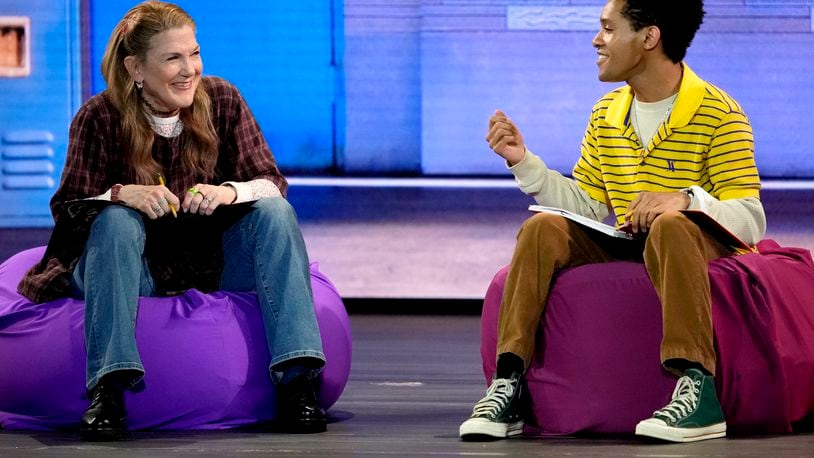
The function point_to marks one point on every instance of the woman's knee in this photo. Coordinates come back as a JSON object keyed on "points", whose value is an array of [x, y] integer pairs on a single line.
{"points": [[275, 209], [118, 222]]}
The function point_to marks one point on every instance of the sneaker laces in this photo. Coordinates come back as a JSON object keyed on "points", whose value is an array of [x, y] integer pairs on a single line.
{"points": [[497, 398], [684, 402]]}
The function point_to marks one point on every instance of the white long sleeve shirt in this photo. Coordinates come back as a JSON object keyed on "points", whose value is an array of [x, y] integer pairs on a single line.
{"points": [[743, 217]]}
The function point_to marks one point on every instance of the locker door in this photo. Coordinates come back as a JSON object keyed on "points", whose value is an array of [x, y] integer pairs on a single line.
{"points": [[36, 104]]}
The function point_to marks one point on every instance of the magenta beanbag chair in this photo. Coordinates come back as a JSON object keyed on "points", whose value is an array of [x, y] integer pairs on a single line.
{"points": [[205, 357], [598, 369]]}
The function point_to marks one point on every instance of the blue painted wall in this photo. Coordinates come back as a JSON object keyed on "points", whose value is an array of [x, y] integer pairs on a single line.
{"points": [[35, 110], [383, 87], [280, 55], [423, 77]]}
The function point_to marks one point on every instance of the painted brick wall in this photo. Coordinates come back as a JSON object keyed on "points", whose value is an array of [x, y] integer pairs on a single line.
{"points": [[423, 77], [382, 87]]}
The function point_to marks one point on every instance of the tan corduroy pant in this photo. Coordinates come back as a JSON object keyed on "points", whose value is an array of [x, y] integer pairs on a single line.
{"points": [[675, 253]]}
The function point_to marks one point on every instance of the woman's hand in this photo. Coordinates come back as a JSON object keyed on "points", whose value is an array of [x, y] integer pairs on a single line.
{"points": [[203, 199], [153, 201]]}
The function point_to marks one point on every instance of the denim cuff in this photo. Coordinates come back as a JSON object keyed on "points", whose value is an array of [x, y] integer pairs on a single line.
{"points": [[293, 370], [117, 367]]}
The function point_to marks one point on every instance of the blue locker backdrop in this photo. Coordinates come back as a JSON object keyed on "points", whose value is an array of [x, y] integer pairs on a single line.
{"points": [[284, 56], [281, 56], [35, 110]]}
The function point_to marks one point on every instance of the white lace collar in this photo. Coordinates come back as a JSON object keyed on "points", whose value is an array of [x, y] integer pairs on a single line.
{"points": [[170, 127]]}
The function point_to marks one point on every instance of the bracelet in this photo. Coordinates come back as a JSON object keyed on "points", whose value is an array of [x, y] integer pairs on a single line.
{"points": [[114, 193], [233, 189], [689, 193]]}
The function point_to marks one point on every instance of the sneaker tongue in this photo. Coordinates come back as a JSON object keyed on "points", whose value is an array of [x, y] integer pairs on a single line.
{"points": [[694, 373]]}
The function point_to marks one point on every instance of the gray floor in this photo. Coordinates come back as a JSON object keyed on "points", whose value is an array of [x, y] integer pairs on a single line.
{"points": [[413, 380]]}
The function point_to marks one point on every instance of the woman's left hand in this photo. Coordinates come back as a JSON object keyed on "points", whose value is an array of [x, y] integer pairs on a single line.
{"points": [[203, 199]]}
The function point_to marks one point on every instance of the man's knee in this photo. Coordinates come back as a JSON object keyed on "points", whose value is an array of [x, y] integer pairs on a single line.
{"points": [[670, 231], [671, 223], [543, 223]]}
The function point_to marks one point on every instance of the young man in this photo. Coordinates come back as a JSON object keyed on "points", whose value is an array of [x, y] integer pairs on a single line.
{"points": [[665, 142]]}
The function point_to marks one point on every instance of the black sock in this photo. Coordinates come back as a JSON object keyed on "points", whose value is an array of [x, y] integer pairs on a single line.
{"points": [[508, 364], [296, 368], [682, 365], [121, 379]]}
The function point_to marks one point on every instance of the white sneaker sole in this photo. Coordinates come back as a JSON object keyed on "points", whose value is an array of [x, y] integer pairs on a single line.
{"points": [[482, 429], [659, 430]]}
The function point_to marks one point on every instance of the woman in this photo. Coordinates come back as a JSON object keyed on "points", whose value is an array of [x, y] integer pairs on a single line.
{"points": [[167, 148]]}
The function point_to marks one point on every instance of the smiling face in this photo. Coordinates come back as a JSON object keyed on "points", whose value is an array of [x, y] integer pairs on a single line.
{"points": [[171, 69], [621, 49]]}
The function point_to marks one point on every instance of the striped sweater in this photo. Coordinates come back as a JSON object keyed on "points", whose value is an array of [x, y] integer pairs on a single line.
{"points": [[705, 144], [706, 141]]}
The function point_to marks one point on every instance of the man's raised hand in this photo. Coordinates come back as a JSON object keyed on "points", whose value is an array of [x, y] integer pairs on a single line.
{"points": [[505, 138]]}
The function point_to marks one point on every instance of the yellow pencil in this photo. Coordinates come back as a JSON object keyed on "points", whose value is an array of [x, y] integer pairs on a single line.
{"points": [[172, 208]]}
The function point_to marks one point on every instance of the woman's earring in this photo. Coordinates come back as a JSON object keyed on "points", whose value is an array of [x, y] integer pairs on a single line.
{"points": [[139, 85]]}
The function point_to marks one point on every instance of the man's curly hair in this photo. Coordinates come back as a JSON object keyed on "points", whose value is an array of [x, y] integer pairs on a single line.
{"points": [[678, 21]]}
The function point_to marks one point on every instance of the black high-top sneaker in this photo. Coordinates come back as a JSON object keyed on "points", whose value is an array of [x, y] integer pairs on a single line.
{"points": [[499, 414]]}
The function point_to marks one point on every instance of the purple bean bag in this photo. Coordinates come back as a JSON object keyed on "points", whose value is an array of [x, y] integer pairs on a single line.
{"points": [[598, 369], [205, 357]]}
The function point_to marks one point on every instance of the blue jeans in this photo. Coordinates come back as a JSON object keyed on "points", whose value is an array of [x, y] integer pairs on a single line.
{"points": [[263, 252]]}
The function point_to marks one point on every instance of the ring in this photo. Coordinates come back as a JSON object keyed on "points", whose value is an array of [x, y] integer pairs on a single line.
{"points": [[157, 209], [193, 191], [162, 201], [207, 200]]}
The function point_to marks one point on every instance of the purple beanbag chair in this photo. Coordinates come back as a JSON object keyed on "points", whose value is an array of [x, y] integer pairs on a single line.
{"points": [[205, 357], [598, 369]]}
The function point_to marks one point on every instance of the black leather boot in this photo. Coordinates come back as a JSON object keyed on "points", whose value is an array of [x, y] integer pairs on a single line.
{"points": [[297, 408], [104, 419]]}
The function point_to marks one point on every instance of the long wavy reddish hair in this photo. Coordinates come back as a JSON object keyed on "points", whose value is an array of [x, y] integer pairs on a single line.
{"points": [[131, 37]]}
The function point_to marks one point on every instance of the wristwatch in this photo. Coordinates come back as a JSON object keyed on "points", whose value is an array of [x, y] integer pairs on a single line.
{"points": [[114, 192], [689, 193]]}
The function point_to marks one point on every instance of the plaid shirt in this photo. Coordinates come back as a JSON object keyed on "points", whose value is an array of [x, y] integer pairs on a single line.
{"points": [[95, 162]]}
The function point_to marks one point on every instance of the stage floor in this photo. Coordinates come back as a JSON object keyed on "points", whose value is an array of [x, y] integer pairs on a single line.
{"points": [[414, 380], [389, 249]]}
